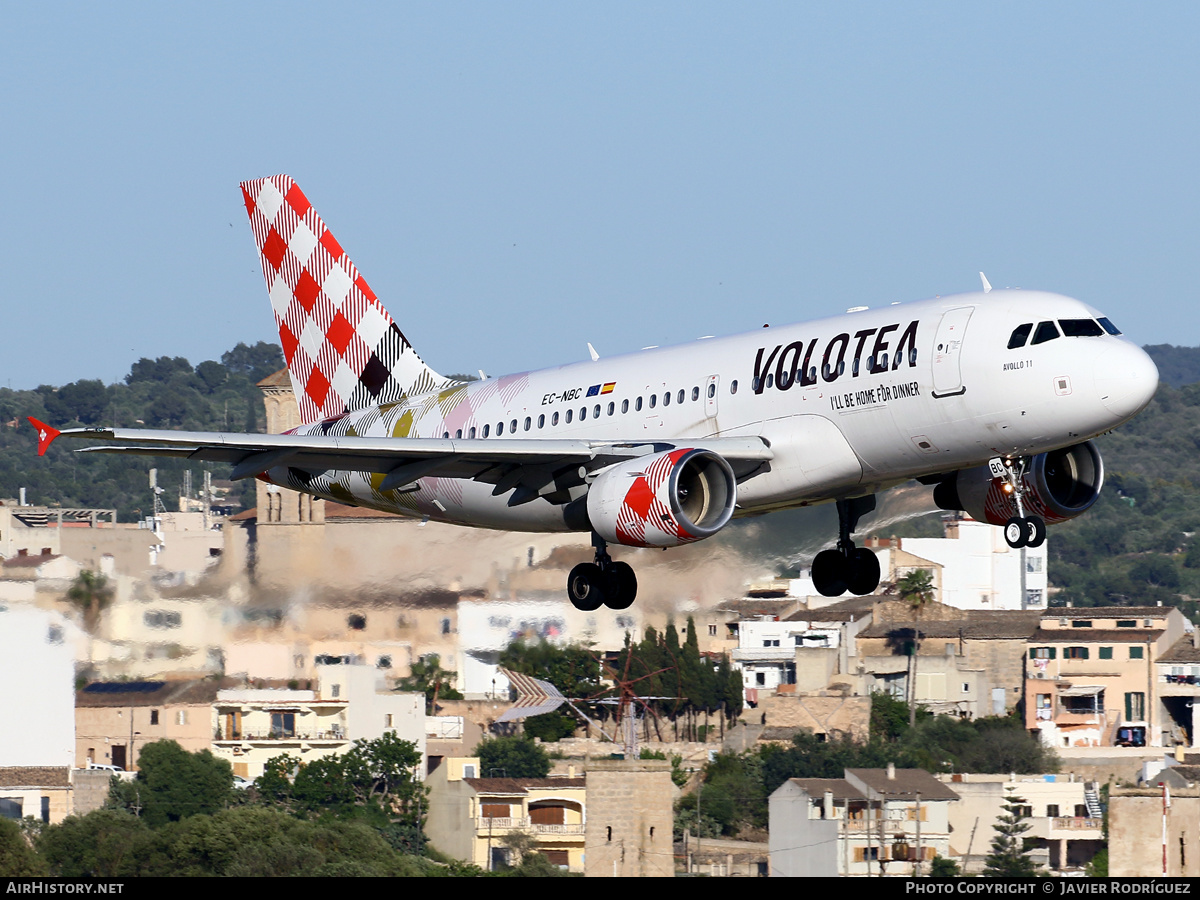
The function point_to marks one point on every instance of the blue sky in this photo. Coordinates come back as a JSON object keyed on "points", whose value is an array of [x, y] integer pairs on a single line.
{"points": [[516, 179]]}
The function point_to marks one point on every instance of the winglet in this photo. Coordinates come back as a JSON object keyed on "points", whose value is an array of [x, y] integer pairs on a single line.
{"points": [[45, 433], [987, 287], [592, 352]]}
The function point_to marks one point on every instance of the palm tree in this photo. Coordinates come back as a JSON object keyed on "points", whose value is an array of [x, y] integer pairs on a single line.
{"points": [[91, 593], [917, 588]]}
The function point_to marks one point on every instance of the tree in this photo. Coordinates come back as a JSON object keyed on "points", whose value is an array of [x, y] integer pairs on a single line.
{"points": [[1009, 857], [17, 858], [917, 589], [429, 678], [102, 844], [942, 867], [91, 594], [173, 784], [512, 757]]}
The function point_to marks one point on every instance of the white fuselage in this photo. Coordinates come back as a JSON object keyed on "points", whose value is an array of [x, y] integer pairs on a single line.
{"points": [[849, 404]]}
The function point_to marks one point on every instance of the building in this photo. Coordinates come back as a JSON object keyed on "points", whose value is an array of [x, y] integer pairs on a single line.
{"points": [[38, 666], [1154, 831], [43, 792], [1063, 811], [968, 662], [115, 719], [630, 820], [871, 822], [1177, 678], [1090, 675], [470, 817], [253, 725]]}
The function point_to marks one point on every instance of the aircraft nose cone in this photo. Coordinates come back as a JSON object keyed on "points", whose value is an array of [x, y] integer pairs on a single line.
{"points": [[1126, 379]]}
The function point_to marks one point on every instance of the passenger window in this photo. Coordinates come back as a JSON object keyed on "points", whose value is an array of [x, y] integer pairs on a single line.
{"points": [[542, 421], [596, 411], [733, 386], [582, 413], [458, 434], [624, 407], [554, 419], [679, 399], [499, 429], [1019, 336], [1080, 328], [528, 422], [695, 394], [712, 391], [569, 414], [445, 434], [1108, 326], [472, 434], [1046, 331], [653, 400], [666, 398], [638, 405], [486, 430], [612, 408], [512, 426]]}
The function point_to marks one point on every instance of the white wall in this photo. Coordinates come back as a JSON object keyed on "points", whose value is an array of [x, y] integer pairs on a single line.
{"points": [[37, 669]]}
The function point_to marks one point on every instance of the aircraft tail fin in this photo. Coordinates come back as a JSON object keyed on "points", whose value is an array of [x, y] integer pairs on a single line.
{"points": [[343, 350]]}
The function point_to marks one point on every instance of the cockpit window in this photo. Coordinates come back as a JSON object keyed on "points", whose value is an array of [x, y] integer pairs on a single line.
{"points": [[1046, 331], [1109, 326], [1020, 335], [1080, 328]]}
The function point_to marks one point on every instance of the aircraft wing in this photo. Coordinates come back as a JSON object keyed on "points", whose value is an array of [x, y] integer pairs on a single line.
{"points": [[502, 462]]}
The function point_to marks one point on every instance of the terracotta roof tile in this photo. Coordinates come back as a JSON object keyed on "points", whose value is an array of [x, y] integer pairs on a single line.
{"points": [[34, 776]]}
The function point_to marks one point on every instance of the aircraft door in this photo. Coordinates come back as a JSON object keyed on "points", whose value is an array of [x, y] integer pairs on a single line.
{"points": [[947, 350], [712, 387]]}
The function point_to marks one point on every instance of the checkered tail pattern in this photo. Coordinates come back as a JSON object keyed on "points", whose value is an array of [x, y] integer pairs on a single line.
{"points": [[344, 353]]}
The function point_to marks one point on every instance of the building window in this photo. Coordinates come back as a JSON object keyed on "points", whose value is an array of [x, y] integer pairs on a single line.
{"points": [[1052, 810], [1033, 598], [1075, 653], [357, 622], [1106, 653], [1081, 623], [1126, 623], [154, 717], [1136, 653], [1042, 652], [181, 717], [712, 630], [1033, 564], [337, 691], [283, 724]]}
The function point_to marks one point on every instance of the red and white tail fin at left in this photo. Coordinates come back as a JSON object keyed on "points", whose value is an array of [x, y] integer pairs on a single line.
{"points": [[343, 350]]}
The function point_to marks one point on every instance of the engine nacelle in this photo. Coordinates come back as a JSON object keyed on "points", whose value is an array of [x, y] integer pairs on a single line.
{"points": [[1059, 485], [664, 499]]}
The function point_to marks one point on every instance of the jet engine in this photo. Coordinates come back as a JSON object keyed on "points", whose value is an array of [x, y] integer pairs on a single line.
{"points": [[1059, 485], [663, 499]]}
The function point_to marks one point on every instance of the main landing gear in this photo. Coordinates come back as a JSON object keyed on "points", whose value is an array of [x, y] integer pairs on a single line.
{"points": [[847, 568], [601, 583], [1020, 530]]}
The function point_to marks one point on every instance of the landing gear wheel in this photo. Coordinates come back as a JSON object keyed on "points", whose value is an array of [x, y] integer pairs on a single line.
{"points": [[1035, 532], [620, 586], [864, 572], [1016, 532], [830, 572], [585, 587]]}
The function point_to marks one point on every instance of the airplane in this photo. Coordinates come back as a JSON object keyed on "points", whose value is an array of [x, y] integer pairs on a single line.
{"points": [[993, 397]]}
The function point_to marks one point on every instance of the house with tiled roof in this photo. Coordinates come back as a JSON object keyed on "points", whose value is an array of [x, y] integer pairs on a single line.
{"points": [[1091, 678], [869, 822], [470, 816]]}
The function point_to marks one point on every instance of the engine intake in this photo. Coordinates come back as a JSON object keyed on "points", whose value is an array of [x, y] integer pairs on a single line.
{"points": [[1059, 485], [664, 499]]}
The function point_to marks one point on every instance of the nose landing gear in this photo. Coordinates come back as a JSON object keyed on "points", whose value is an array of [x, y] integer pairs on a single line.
{"points": [[1020, 530], [846, 567], [604, 582]]}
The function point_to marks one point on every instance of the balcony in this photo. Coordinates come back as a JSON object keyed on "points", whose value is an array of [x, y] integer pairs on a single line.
{"points": [[764, 654], [501, 825], [308, 737], [1077, 828]]}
